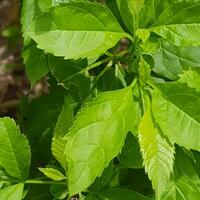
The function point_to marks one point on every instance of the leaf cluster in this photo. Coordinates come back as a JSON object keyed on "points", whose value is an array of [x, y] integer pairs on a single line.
{"points": [[122, 117]]}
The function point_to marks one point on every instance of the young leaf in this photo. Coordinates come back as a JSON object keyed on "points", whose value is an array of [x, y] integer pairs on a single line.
{"points": [[15, 154], [35, 62], [157, 154], [176, 110], [53, 174], [97, 136], [95, 30], [13, 192], [179, 24]]}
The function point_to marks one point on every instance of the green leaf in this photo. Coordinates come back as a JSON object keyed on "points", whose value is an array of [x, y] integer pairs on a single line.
{"points": [[131, 156], [113, 79], [91, 21], [35, 62], [176, 110], [71, 75], [143, 34], [58, 149], [99, 132], [13, 192], [189, 168], [38, 192], [191, 78], [91, 197], [15, 154], [125, 194], [179, 24], [170, 60], [130, 10], [59, 191], [103, 181], [144, 71], [140, 13], [41, 114], [182, 189], [4, 175], [39, 118], [53, 174], [157, 154], [57, 2]]}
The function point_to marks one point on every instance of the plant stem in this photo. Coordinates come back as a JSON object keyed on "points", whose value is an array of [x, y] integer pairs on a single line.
{"points": [[107, 67], [34, 181], [133, 83], [89, 67], [96, 64]]}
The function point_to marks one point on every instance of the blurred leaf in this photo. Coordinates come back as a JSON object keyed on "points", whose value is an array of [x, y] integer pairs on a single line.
{"points": [[13, 192]]}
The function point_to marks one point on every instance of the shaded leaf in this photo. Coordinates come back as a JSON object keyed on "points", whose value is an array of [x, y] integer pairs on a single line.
{"points": [[102, 182], [35, 62], [131, 156], [59, 191], [71, 75]]}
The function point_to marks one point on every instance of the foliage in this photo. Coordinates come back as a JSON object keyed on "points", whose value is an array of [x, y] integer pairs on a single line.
{"points": [[122, 116]]}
